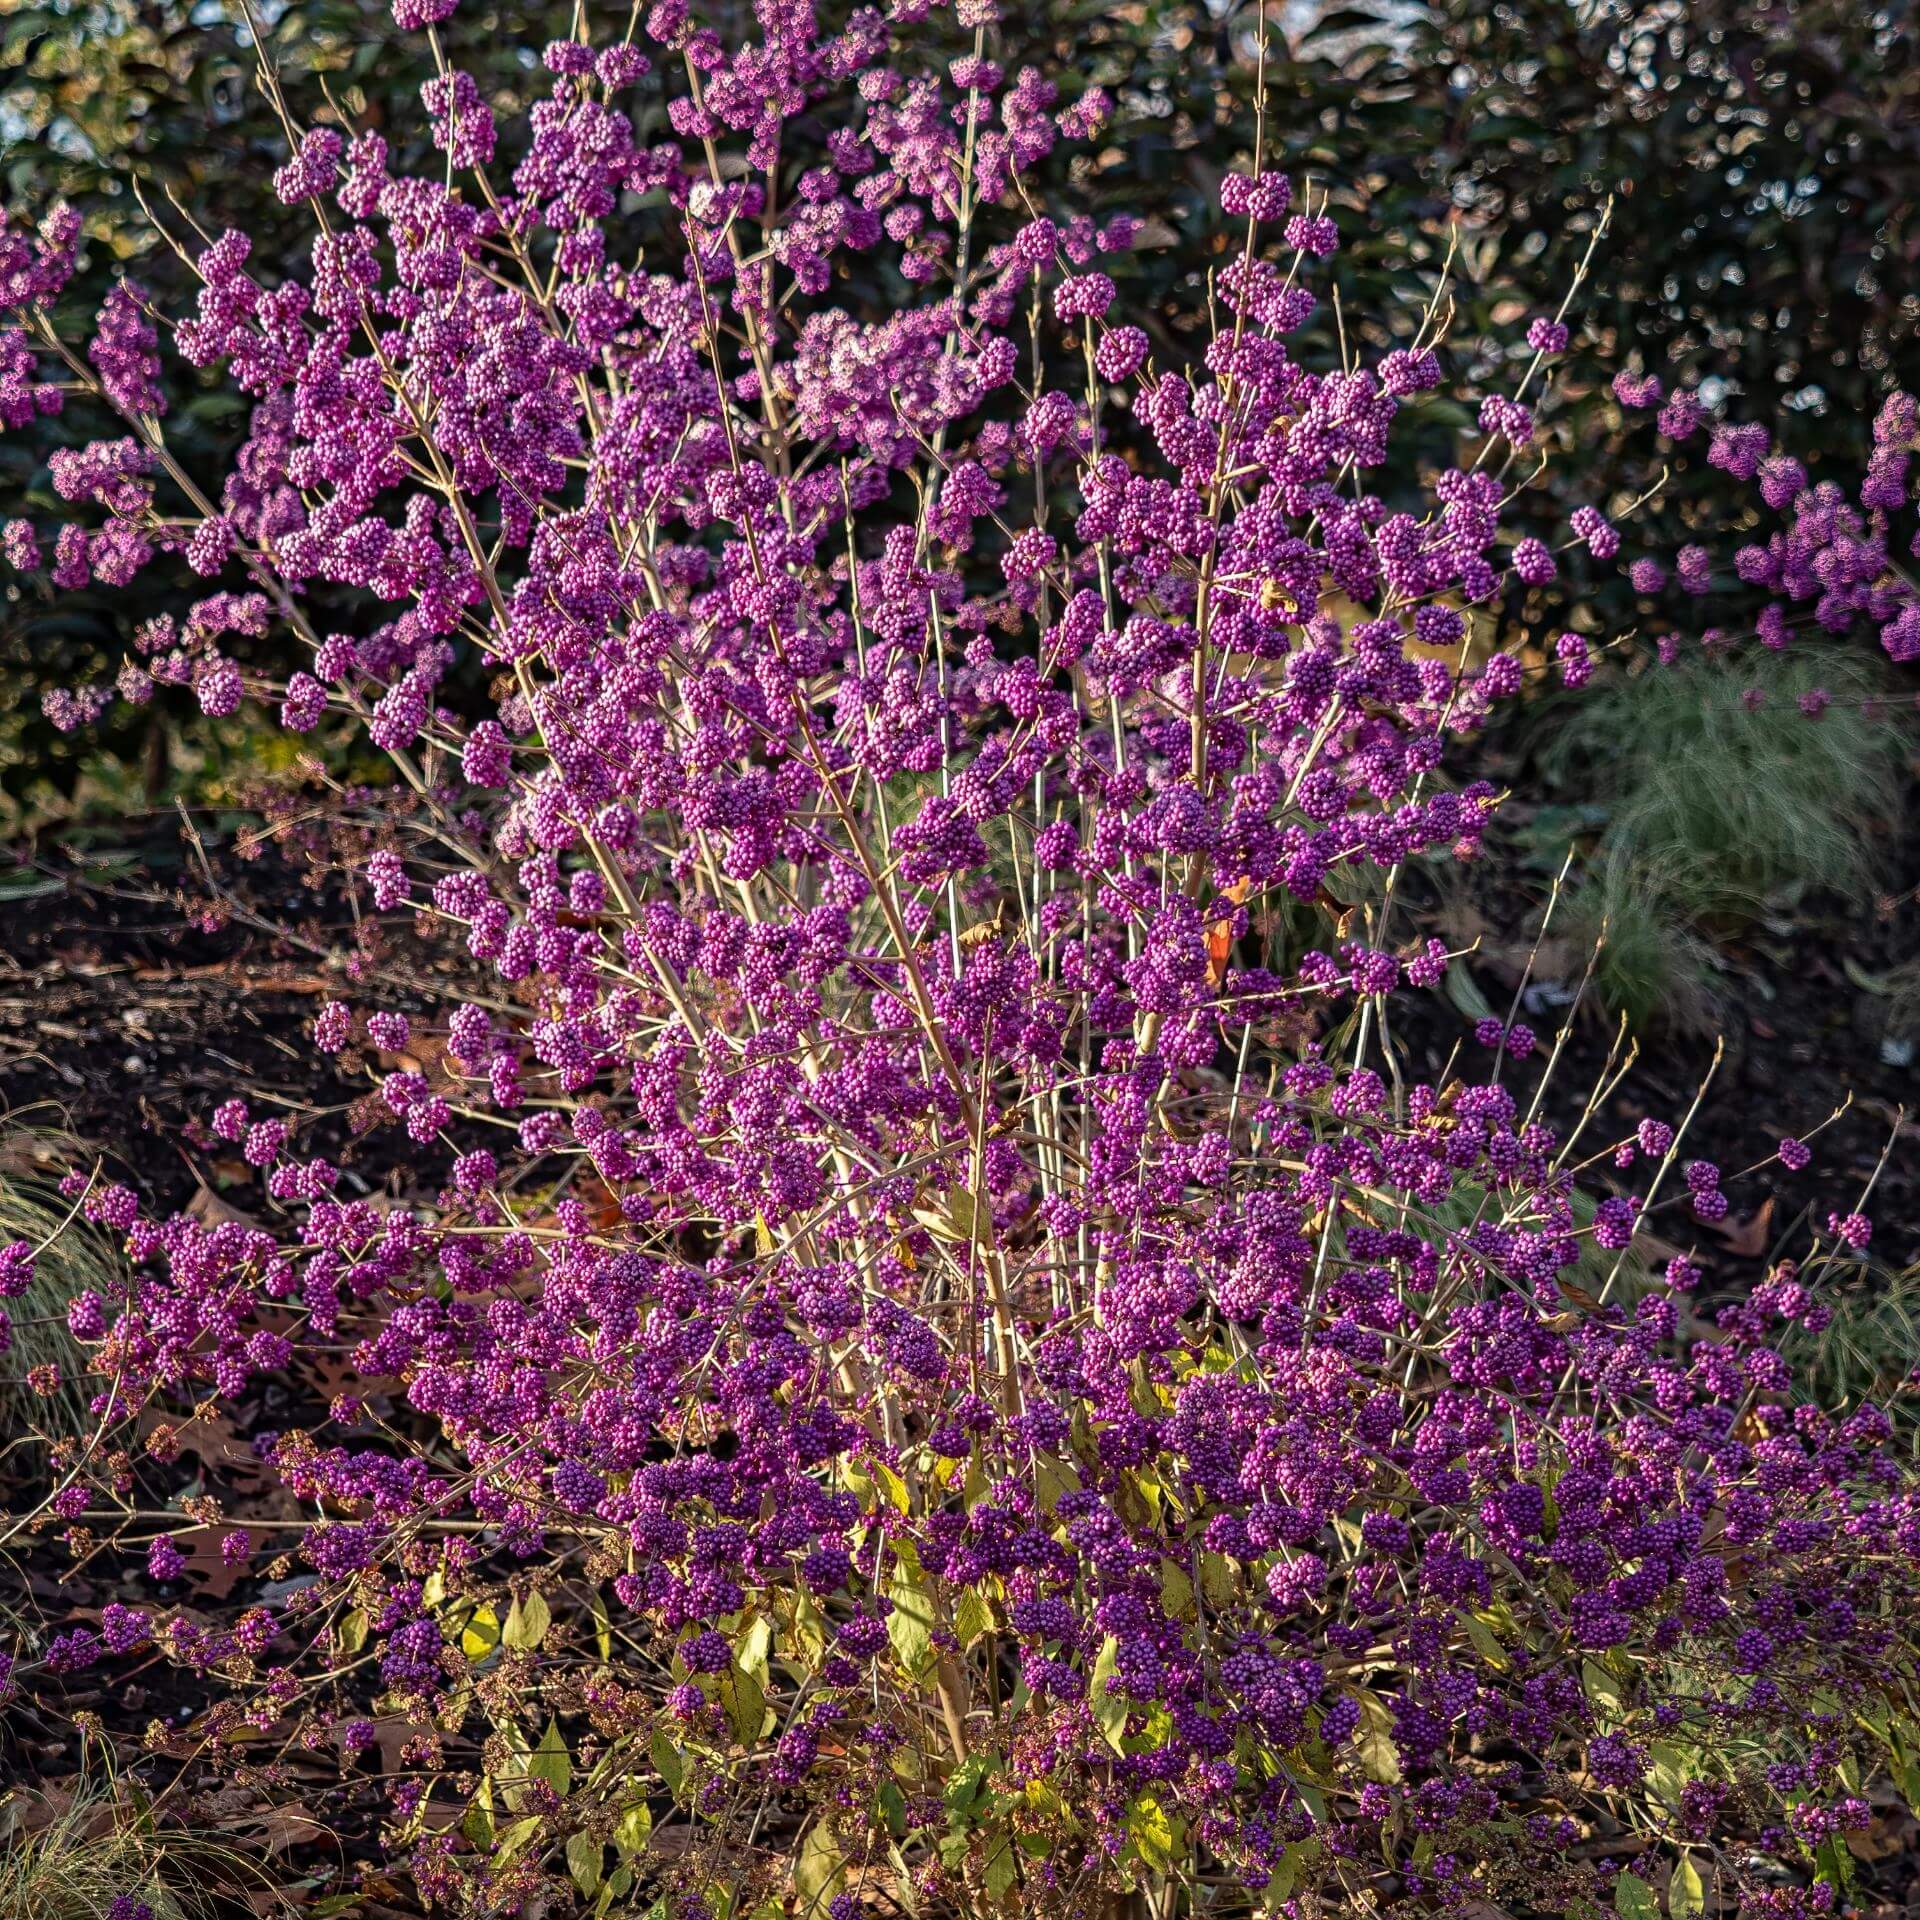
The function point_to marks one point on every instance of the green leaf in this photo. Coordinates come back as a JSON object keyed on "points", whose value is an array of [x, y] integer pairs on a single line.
{"points": [[1002, 1870], [667, 1763], [910, 1625], [1879, 984], [819, 1872], [351, 1633], [633, 1829], [1603, 1691], [1373, 1739], [1686, 1897], [1833, 1864], [746, 1704], [1280, 1888], [1633, 1899], [1109, 1710], [893, 1809], [1906, 1768], [1669, 1769], [583, 1861], [527, 1623], [1153, 1834], [1484, 1644], [967, 1790], [1464, 992], [550, 1762], [972, 1616], [477, 1823]]}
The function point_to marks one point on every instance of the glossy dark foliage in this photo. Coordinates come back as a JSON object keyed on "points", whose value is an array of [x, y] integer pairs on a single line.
{"points": [[1763, 164]]}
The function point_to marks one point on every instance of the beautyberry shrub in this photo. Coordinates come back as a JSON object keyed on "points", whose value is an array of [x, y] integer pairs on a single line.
{"points": [[935, 1372]]}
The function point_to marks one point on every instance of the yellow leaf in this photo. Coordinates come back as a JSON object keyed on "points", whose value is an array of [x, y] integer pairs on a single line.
{"points": [[809, 1627], [972, 1616], [963, 1218], [976, 1482], [1379, 1757], [477, 1825], [819, 1872], [1152, 1833], [633, 1829], [1051, 1479], [481, 1634], [1109, 1711], [1603, 1690], [746, 1704], [527, 1623], [1176, 1591], [756, 1646], [1218, 1581], [1686, 1897], [910, 1625], [1041, 1797], [514, 1838]]}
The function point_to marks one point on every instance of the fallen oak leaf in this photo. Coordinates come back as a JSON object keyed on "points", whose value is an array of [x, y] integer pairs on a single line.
{"points": [[208, 1569], [278, 1829], [210, 1210], [1748, 1237]]}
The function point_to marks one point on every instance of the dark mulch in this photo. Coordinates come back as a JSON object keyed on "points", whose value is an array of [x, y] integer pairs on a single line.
{"points": [[141, 988]]}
